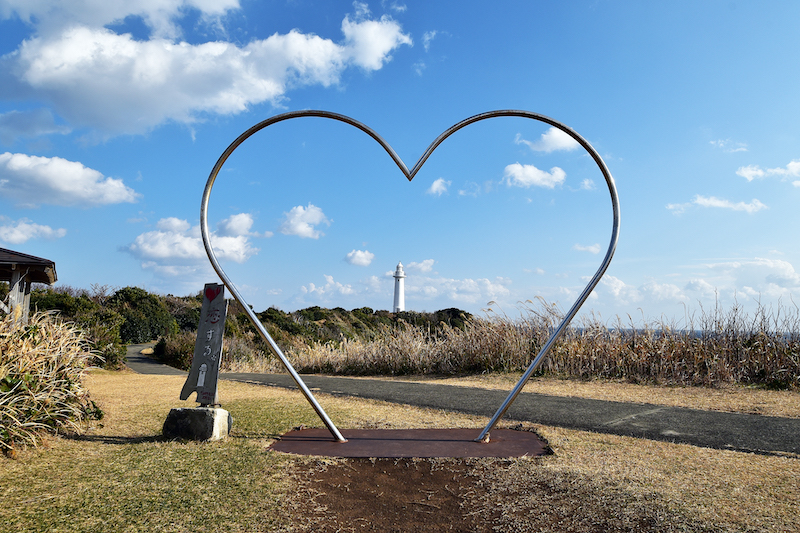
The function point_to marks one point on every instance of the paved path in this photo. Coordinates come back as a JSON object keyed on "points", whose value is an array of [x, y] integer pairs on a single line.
{"points": [[712, 429], [145, 365]]}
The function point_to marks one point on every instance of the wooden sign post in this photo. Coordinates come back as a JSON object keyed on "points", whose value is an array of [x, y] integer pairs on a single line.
{"points": [[209, 421], [208, 347]]}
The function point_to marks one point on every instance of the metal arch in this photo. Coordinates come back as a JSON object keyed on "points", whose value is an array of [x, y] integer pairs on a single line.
{"points": [[409, 174]]}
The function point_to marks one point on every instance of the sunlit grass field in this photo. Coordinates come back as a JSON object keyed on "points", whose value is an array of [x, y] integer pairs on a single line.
{"points": [[121, 476]]}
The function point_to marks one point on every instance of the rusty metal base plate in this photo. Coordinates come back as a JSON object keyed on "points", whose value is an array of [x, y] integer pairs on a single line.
{"points": [[396, 443]]}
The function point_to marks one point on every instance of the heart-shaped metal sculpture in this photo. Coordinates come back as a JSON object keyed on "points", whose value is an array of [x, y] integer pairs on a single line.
{"points": [[484, 436]]}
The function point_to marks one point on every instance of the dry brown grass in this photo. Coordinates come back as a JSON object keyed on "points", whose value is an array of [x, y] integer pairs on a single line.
{"points": [[718, 487], [119, 477], [714, 349], [483, 345], [42, 364], [141, 409]]}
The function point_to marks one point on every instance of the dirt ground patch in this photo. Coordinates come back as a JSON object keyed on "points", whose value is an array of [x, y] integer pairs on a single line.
{"points": [[477, 495], [386, 495]]}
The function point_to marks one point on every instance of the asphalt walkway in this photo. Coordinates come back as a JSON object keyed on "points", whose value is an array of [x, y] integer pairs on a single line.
{"points": [[711, 429]]}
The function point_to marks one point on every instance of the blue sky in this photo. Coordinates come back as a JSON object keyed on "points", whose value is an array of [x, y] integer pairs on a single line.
{"points": [[113, 113]]}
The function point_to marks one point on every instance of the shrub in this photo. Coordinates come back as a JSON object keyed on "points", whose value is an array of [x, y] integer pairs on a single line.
{"points": [[145, 316], [185, 310], [101, 324], [41, 369], [66, 300], [102, 328], [176, 350]]}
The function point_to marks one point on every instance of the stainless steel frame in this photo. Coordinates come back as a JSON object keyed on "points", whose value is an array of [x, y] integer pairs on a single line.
{"points": [[409, 174]]}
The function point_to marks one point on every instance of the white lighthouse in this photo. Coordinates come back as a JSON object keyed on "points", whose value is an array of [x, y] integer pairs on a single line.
{"points": [[399, 289]]}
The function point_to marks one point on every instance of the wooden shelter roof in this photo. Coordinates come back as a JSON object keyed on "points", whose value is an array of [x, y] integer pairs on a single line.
{"points": [[39, 270]]}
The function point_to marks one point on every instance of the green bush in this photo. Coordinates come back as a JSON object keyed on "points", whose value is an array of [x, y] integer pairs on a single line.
{"points": [[145, 316], [102, 328], [185, 310], [176, 350], [66, 300], [41, 369], [101, 324]]}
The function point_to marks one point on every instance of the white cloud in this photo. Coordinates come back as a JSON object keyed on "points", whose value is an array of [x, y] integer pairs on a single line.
{"points": [[662, 292], [17, 124], [51, 16], [331, 288], [438, 187], [677, 209], [621, 291], [770, 276], [587, 185], [422, 266], [239, 225], [301, 221], [369, 43], [34, 180], [477, 290], [724, 283], [397, 6], [528, 175], [187, 274], [465, 291], [711, 201], [701, 288], [94, 77], [173, 225], [161, 245], [552, 140], [744, 282], [729, 146], [176, 243], [792, 169], [751, 172], [470, 189], [24, 230], [625, 294], [592, 248], [427, 38], [361, 9], [360, 257]]}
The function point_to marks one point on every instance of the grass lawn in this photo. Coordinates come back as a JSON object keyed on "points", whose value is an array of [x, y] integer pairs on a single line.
{"points": [[120, 475]]}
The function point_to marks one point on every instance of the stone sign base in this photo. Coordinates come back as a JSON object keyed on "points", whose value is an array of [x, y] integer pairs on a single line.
{"points": [[200, 423]]}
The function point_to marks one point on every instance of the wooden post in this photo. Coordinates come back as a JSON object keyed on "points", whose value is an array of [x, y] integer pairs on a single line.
{"points": [[208, 347], [16, 296]]}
